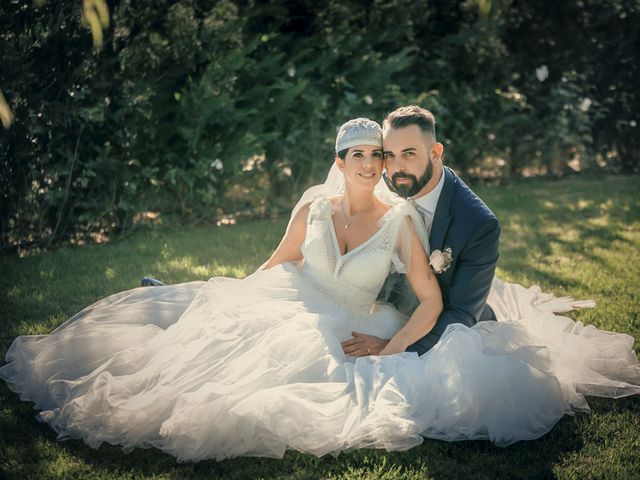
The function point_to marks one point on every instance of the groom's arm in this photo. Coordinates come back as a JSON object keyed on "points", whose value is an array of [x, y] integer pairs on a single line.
{"points": [[470, 285]]}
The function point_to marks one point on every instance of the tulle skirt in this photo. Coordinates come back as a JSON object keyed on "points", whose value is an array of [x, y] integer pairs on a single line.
{"points": [[254, 367]]}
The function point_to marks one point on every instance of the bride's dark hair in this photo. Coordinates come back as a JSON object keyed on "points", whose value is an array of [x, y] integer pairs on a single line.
{"points": [[412, 115]]}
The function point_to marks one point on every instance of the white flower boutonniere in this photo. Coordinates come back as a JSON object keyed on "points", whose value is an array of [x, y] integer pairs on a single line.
{"points": [[441, 261]]}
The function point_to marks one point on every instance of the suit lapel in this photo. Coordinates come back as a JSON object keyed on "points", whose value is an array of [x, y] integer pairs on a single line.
{"points": [[441, 218]]}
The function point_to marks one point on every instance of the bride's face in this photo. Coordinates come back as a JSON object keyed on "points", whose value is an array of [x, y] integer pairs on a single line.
{"points": [[362, 165]]}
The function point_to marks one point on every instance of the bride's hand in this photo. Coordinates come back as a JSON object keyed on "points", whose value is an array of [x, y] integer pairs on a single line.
{"points": [[361, 345]]}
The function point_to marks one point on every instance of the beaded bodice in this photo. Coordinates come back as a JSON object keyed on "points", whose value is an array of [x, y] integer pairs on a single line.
{"points": [[353, 278]]}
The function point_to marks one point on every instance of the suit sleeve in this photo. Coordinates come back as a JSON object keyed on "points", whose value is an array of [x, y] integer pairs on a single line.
{"points": [[470, 285]]}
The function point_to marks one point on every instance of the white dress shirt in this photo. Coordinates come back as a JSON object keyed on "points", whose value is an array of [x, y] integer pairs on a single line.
{"points": [[426, 204]]}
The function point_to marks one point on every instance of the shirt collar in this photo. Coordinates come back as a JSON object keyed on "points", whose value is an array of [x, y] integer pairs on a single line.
{"points": [[429, 201]]}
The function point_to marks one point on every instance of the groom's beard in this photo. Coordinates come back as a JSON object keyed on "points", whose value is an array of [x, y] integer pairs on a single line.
{"points": [[410, 189]]}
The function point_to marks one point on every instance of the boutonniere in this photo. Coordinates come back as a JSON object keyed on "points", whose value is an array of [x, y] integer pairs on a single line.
{"points": [[441, 260]]}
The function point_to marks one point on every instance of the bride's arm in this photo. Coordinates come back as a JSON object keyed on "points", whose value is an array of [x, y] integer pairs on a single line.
{"points": [[289, 249], [425, 285]]}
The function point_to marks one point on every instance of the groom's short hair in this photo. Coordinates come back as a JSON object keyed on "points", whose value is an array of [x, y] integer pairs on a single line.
{"points": [[412, 115]]}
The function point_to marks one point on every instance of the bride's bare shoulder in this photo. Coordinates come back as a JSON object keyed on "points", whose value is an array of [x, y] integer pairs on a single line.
{"points": [[383, 207], [334, 201]]}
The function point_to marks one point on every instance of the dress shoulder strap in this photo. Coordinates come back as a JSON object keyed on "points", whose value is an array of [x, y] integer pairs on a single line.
{"points": [[320, 209]]}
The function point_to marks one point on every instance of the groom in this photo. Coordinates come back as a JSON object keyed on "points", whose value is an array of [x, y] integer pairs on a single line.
{"points": [[457, 220]]}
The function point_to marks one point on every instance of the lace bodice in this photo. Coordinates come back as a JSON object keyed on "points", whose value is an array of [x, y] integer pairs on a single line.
{"points": [[355, 278]]}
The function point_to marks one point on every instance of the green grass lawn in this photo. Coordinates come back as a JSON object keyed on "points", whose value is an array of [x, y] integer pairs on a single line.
{"points": [[578, 237]]}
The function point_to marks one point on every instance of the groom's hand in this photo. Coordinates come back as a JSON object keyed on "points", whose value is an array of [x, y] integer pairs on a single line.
{"points": [[361, 345]]}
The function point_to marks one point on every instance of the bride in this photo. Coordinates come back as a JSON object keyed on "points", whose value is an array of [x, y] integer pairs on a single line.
{"points": [[255, 366]]}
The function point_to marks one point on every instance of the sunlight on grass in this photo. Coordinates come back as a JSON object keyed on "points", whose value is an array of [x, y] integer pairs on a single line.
{"points": [[46, 274], [166, 252], [183, 265], [187, 266], [110, 273], [62, 464], [44, 325], [581, 205], [562, 232], [228, 271]]}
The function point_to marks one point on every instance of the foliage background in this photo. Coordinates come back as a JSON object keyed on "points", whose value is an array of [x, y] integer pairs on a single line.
{"points": [[195, 108]]}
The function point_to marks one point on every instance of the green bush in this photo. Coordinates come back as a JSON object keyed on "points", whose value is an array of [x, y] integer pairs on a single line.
{"points": [[194, 108]]}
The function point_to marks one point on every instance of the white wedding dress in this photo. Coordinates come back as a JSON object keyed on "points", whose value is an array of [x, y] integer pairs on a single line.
{"points": [[254, 367]]}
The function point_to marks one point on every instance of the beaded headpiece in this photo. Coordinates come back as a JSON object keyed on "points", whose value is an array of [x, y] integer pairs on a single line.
{"points": [[359, 131]]}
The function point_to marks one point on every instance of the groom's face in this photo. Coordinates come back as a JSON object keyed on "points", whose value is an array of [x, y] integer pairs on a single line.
{"points": [[409, 160]]}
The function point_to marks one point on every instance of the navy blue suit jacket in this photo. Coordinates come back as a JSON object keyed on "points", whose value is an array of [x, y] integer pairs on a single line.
{"points": [[464, 223]]}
